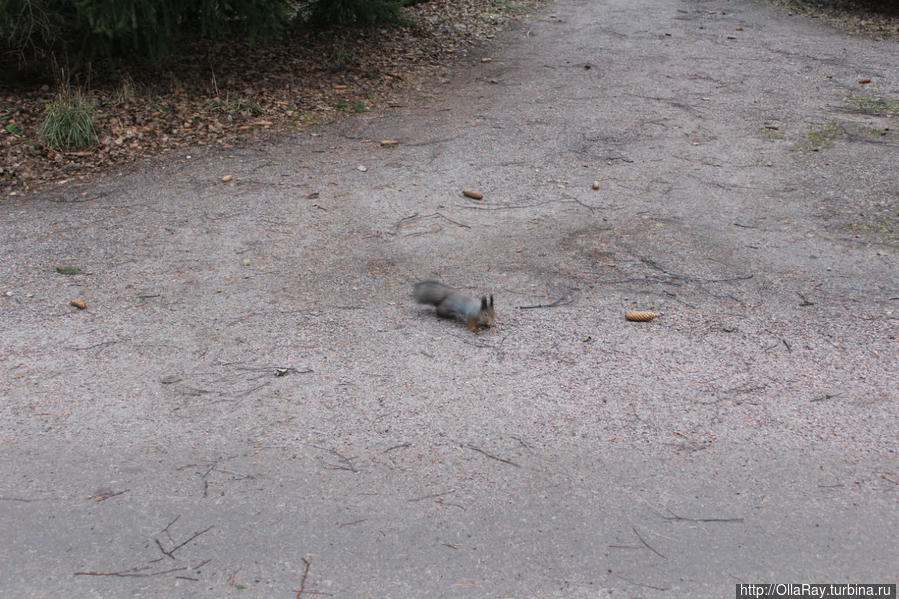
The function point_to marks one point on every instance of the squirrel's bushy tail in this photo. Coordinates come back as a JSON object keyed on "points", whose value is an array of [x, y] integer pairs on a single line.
{"points": [[431, 292]]}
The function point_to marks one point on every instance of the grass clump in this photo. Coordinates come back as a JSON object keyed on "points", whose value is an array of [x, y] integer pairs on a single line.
{"points": [[822, 137], [875, 105], [350, 106], [69, 123], [243, 106], [772, 133]]}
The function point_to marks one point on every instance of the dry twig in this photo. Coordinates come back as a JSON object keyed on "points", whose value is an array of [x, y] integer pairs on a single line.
{"points": [[491, 456], [645, 544]]}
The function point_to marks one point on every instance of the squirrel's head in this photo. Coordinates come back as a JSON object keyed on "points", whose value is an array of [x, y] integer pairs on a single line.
{"points": [[487, 308]]}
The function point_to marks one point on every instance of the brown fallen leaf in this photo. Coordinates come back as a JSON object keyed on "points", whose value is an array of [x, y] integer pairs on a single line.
{"points": [[864, 81]]}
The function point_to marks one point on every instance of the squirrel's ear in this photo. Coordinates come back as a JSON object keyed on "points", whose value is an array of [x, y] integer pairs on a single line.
{"points": [[491, 300], [483, 302]]}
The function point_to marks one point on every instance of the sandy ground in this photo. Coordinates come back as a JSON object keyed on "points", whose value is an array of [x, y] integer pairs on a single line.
{"points": [[251, 405]]}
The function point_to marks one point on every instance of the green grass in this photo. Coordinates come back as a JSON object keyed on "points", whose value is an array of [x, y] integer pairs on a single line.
{"points": [[875, 105], [509, 8], [884, 227], [340, 57], [69, 123], [822, 137], [241, 105], [768, 133], [306, 117], [348, 106], [68, 270]]}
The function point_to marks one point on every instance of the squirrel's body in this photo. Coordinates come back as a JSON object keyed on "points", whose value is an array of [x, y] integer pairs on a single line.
{"points": [[451, 304]]}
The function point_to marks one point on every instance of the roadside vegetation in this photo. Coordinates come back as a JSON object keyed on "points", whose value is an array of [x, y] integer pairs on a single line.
{"points": [[878, 19], [92, 86]]}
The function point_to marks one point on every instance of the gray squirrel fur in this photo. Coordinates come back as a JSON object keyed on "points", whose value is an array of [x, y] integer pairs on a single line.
{"points": [[453, 304]]}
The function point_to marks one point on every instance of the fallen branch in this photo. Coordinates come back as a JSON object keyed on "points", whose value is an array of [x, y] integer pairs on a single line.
{"points": [[647, 545], [431, 496], [492, 457], [166, 529], [562, 301], [164, 552], [138, 572], [170, 552], [303, 579], [675, 517], [104, 496], [640, 584], [95, 345], [523, 444], [302, 588], [448, 219], [348, 461], [400, 446], [826, 396], [351, 523]]}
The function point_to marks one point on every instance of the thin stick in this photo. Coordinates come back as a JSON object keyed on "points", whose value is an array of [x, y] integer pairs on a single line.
{"points": [[640, 584], [126, 573], [194, 536], [400, 446], [826, 396], [164, 552], [348, 461], [446, 218], [493, 457], [647, 545], [562, 301], [100, 498], [431, 496], [674, 516], [353, 522]]}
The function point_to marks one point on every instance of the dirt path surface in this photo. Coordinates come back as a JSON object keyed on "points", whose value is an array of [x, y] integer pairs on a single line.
{"points": [[748, 192]]}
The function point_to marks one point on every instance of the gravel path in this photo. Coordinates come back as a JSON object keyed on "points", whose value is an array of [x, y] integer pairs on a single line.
{"points": [[251, 405]]}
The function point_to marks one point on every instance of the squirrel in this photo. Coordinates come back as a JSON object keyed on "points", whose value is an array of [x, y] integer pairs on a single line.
{"points": [[450, 303]]}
